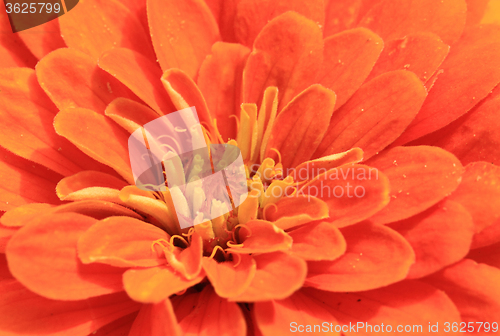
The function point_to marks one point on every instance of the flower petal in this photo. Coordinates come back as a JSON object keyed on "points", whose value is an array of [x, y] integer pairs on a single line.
{"points": [[224, 12], [87, 179], [183, 33], [129, 114], [278, 275], [473, 288], [439, 236], [13, 51], [252, 16], [310, 169], [118, 327], [475, 11], [220, 82], [21, 215], [26, 118], [43, 257], [25, 313], [96, 26], [419, 177], [318, 241], [348, 59], [480, 182], [121, 242], [393, 19], [420, 53], [467, 75], [213, 315], [300, 126], [91, 132], [351, 192], [72, 79], [471, 137], [139, 74], [184, 93], [96, 209], [487, 237], [297, 310], [43, 39], [260, 236], [6, 234], [287, 54], [375, 116], [408, 302], [156, 320], [376, 256], [155, 284], [230, 278], [341, 15], [297, 210]]}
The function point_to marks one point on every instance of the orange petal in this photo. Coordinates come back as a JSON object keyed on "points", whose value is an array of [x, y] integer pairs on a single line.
{"points": [[13, 51], [439, 236], [21, 215], [188, 261], [278, 275], [489, 255], [72, 79], [156, 320], [299, 312], [475, 11], [420, 53], [348, 59], [467, 75], [310, 169], [419, 177], [25, 182], [213, 315], [260, 236], [26, 118], [407, 303], [318, 241], [87, 179], [118, 327], [480, 182], [184, 93], [129, 114], [6, 234], [301, 125], [139, 74], [294, 211], [376, 256], [121, 242], [352, 192], [183, 33], [155, 284], [473, 288], [95, 26], [43, 257], [252, 16], [96, 209], [220, 82], [91, 133], [471, 137], [224, 12], [488, 236], [287, 54], [375, 116], [230, 278], [341, 15], [25, 313], [43, 39], [393, 19]]}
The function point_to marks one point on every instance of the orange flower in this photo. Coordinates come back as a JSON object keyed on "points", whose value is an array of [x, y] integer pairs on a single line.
{"points": [[366, 130]]}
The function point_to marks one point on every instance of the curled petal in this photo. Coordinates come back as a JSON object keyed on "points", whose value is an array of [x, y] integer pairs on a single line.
{"points": [[278, 275], [129, 114], [262, 237]]}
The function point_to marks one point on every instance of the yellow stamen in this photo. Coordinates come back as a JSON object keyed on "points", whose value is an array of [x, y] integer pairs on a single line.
{"points": [[276, 191], [248, 210], [270, 101]]}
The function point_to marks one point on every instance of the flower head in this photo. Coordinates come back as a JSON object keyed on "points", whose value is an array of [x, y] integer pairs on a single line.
{"points": [[370, 161]]}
